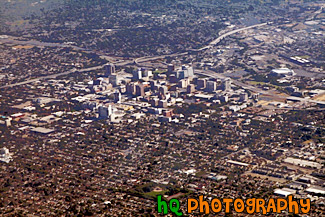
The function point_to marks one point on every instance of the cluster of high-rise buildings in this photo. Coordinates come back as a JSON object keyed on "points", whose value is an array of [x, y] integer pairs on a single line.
{"points": [[155, 91]]}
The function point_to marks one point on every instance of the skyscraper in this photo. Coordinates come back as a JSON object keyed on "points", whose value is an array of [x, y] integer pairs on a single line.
{"points": [[226, 85], [115, 79], [211, 86], [105, 112], [171, 68], [137, 75], [117, 97], [163, 89], [185, 72], [201, 83], [190, 88], [139, 90], [110, 69], [130, 88], [243, 97], [153, 86]]}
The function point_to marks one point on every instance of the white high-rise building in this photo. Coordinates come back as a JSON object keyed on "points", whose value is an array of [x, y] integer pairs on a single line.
{"points": [[138, 75], [185, 72], [147, 74]]}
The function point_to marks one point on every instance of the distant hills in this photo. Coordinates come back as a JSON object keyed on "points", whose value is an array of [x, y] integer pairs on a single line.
{"points": [[13, 12], [126, 27]]}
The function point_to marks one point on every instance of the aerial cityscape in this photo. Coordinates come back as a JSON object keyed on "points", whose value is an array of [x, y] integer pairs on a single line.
{"points": [[107, 105]]}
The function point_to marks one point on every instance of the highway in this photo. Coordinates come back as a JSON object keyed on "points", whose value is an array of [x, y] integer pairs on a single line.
{"points": [[146, 59], [52, 76], [211, 44], [13, 40], [213, 74], [252, 88], [216, 41], [74, 70], [152, 58]]}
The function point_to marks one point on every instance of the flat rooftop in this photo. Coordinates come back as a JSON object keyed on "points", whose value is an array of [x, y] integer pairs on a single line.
{"points": [[42, 130]]}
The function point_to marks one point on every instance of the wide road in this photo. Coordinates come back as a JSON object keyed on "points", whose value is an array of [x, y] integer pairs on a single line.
{"points": [[213, 74], [216, 41], [148, 58], [211, 44], [14, 40], [252, 88], [52, 76], [119, 63]]}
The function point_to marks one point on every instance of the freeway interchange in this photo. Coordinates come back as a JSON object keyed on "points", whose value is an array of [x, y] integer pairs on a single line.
{"points": [[141, 60], [13, 40]]}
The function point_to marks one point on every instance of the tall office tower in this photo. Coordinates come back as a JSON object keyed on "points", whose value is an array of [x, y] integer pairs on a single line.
{"points": [[190, 71], [137, 75], [211, 86], [139, 90], [171, 68], [226, 85], [243, 97], [156, 75], [255, 96], [183, 83], [115, 79], [110, 69], [190, 88], [163, 89], [154, 102], [173, 79], [222, 97], [90, 105], [153, 85], [181, 74], [147, 74], [105, 112], [117, 97], [201, 83], [185, 72], [162, 104], [130, 88]]}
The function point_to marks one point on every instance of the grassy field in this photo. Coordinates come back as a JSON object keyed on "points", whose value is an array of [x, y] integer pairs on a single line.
{"points": [[154, 194]]}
